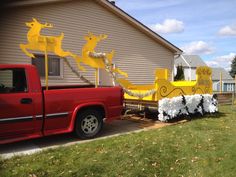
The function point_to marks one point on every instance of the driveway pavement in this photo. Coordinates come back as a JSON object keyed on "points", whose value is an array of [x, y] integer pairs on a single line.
{"points": [[115, 128]]}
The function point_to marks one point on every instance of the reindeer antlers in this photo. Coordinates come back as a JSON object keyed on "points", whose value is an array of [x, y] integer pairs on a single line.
{"points": [[34, 19], [103, 36], [48, 25], [90, 34]]}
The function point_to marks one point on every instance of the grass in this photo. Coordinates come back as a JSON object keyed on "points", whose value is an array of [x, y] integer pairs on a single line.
{"points": [[201, 147]]}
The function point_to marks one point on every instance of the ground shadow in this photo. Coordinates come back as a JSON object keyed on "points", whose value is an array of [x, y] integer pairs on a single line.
{"points": [[154, 116], [34, 145]]}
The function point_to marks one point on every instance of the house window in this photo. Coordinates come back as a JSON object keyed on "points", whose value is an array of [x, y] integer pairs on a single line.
{"points": [[230, 87], [55, 66], [13, 80]]}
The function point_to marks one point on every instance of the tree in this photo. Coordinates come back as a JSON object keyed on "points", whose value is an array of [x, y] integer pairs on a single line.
{"points": [[233, 67], [180, 73]]}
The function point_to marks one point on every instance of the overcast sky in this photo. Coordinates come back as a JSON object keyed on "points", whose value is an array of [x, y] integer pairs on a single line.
{"points": [[203, 27]]}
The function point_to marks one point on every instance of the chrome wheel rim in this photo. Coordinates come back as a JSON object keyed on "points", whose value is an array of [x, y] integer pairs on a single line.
{"points": [[89, 124]]}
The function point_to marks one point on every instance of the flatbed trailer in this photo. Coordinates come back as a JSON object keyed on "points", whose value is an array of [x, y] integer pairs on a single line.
{"points": [[146, 97]]}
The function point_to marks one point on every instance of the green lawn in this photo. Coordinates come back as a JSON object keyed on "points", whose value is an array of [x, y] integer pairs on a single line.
{"points": [[201, 147]]}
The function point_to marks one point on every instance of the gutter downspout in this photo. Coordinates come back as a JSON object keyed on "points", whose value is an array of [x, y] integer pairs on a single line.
{"points": [[188, 65]]}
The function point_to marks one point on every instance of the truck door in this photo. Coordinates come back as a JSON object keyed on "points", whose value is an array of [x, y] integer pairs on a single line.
{"points": [[17, 105]]}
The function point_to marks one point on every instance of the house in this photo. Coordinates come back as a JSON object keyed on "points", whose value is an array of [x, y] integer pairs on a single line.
{"points": [[228, 83], [138, 50], [189, 64]]}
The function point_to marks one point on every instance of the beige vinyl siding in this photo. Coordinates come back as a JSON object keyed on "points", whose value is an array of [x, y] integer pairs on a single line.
{"points": [[6, 78], [135, 52]]}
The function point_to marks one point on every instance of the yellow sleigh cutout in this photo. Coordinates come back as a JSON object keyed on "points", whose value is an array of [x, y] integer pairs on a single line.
{"points": [[163, 88]]}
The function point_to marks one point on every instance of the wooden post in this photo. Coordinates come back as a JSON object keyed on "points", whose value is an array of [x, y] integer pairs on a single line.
{"points": [[220, 82], [96, 78], [46, 65], [235, 83], [234, 100]]}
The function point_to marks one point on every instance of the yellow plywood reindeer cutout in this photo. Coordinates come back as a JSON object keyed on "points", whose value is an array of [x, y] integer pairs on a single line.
{"points": [[90, 46], [94, 59], [38, 42]]}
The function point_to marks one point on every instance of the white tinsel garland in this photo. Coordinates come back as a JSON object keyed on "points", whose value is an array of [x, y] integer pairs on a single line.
{"points": [[139, 95], [109, 70], [170, 108]]}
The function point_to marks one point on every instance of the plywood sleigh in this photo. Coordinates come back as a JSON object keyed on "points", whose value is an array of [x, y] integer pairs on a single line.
{"points": [[163, 88]]}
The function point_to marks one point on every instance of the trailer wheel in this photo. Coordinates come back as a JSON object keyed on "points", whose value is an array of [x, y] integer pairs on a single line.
{"points": [[89, 123]]}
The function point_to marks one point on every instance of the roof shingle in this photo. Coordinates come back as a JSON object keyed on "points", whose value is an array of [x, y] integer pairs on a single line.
{"points": [[190, 60], [216, 74]]}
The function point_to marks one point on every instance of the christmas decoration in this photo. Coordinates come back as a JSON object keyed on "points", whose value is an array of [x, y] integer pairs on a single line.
{"points": [[188, 105]]}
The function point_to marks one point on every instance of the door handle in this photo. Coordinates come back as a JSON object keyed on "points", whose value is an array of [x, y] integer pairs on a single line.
{"points": [[26, 101]]}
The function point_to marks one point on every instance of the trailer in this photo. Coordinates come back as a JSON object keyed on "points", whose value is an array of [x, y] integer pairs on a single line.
{"points": [[146, 97]]}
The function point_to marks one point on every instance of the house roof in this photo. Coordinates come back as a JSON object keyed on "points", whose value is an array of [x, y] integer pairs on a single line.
{"points": [[180, 61], [192, 61], [114, 9], [225, 75]]}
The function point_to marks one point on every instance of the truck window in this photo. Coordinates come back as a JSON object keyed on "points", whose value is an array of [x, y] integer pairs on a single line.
{"points": [[12, 80]]}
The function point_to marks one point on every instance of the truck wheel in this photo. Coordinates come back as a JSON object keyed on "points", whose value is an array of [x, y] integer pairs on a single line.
{"points": [[88, 124]]}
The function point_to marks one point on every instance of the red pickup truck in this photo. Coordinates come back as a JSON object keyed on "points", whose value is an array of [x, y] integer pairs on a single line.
{"points": [[27, 110]]}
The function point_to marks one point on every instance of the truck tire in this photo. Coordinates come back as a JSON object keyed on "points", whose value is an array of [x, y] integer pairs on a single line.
{"points": [[89, 123]]}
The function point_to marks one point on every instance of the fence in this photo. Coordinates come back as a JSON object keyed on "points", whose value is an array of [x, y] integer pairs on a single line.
{"points": [[226, 98]]}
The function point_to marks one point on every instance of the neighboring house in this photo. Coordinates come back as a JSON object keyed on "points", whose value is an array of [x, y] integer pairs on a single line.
{"points": [[190, 64], [138, 50], [228, 82]]}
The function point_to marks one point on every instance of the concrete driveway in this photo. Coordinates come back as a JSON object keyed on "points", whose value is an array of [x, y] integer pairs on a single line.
{"points": [[115, 128]]}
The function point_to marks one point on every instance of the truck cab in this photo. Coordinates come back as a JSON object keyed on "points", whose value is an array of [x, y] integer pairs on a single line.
{"points": [[28, 110]]}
